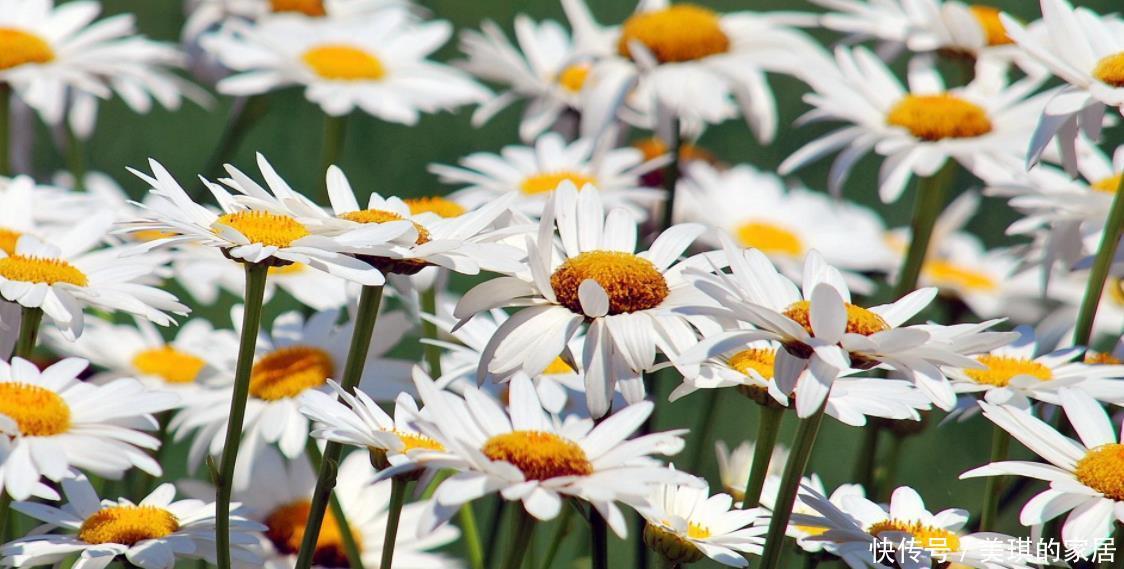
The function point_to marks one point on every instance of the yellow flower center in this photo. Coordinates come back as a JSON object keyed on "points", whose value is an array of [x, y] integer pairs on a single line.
{"points": [[572, 77], [988, 18], [1115, 291], [414, 441], [549, 181], [769, 238], [287, 372], [443, 207], [383, 216], [8, 240], [264, 228], [1001, 370], [37, 411], [936, 540], [1102, 469], [290, 269], [127, 525], [342, 62], [41, 270], [697, 531], [1101, 358], [1110, 70], [558, 367], [169, 364], [285, 528], [314, 8], [760, 360], [683, 32], [1108, 185], [152, 234], [539, 455], [18, 47], [859, 320], [937, 117], [632, 283], [945, 273]]}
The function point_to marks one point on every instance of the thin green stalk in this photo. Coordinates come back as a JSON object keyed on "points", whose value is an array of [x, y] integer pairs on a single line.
{"points": [[768, 427], [889, 472], [256, 274], [671, 175], [1000, 442], [30, 319], [1083, 331], [471, 534], [398, 486], [790, 484], [522, 531], [335, 129], [707, 418], [868, 452], [560, 534], [76, 158], [672, 564], [812, 560], [5, 129], [350, 546], [428, 301], [494, 527], [365, 317], [599, 539], [244, 114], [5, 514], [927, 207]]}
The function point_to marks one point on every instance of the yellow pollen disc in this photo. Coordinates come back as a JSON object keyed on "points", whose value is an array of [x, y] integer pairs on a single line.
{"points": [[383, 216], [414, 441], [937, 117], [8, 240], [769, 238], [41, 270], [632, 283], [653, 148], [1108, 185], [549, 181], [314, 8], [291, 269], [287, 372], [573, 77], [988, 18], [152, 234], [264, 228], [760, 360], [682, 32], [1001, 369], [18, 47], [169, 364], [285, 528], [697, 531], [1101, 358], [945, 273], [1102, 469], [1115, 292], [443, 207], [558, 367], [930, 538], [1110, 70], [37, 411], [539, 455], [341, 62], [127, 525], [859, 319]]}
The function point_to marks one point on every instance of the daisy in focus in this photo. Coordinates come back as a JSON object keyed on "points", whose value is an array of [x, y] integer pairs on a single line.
{"points": [[1086, 477], [375, 63], [57, 422], [153, 533], [684, 523]]}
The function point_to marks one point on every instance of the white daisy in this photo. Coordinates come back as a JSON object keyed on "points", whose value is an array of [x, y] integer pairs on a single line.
{"points": [[805, 535], [57, 422], [203, 15], [526, 456], [534, 172], [1086, 478], [684, 523], [375, 62], [39, 210], [152, 534], [917, 129], [736, 466], [625, 299]]}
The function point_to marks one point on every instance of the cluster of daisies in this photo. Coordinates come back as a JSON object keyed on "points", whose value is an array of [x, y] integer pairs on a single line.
{"points": [[563, 291]]}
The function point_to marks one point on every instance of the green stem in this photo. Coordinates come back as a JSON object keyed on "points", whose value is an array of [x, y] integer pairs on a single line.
{"points": [[889, 472], [707, 418], [768, 427], [927, 207], [1083, 331], [790, 484], [244, 114], [471, 533], [560, 534], [864, 467], [1000, 442], [350, 546], [522, 531], [398, 486], [671, 175], [5, 129], [599, 539], [335, 129], [494, 527], [365, 317], [256, 274], [5, 514], [30, 319], [428, 301], [76, 158]]}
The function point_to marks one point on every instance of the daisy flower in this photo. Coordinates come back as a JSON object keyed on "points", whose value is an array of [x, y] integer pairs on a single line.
{"points": [[917, 129], [735, 467], [204, 15], [1086, 478], [152, 534], [297, 356], [906, 534], [533, 173], [805, 536], [57, 422], [684, 523], [524, 455], [204, 272], [55, 56], [625, 299], [376, 63], [27, 208]]}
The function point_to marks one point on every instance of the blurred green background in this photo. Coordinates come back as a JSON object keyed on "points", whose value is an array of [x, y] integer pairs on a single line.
{"points": [[392, 159]]}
